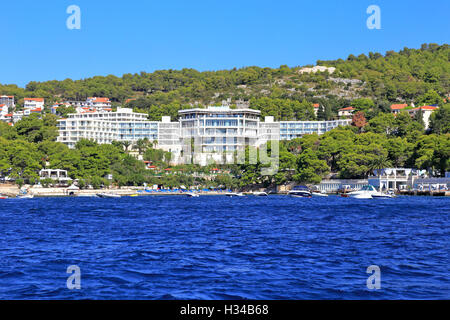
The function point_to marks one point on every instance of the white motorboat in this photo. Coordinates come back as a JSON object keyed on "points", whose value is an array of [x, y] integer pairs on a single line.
{"points": [[381, 195], [361, 196], [318, 193], [25, 196], [240, 194], [300, 192], [260, 194], [192, 195], [366, 192], [107, 195]]}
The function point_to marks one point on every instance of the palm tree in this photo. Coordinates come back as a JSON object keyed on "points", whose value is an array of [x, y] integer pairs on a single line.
{"points": [[141, 145], [126, 144]]}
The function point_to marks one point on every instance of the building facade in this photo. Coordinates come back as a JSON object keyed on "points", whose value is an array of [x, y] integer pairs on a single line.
{"points": [[3, 110], [8, 101], [395, 178], [35, 104], [220, 129], [426, 113], [106, 127], [425, 110], [346, 112], [217, 131], [296, 129], [99, 103]]}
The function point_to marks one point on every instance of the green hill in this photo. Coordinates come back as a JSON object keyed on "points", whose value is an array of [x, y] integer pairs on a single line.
{"points": [[394, 77]]}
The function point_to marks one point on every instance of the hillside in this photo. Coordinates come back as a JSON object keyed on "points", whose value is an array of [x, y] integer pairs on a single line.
{"points": [[394, 77]]}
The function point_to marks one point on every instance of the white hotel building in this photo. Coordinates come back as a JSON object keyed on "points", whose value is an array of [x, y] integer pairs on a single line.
{"points": [[214, 129]]}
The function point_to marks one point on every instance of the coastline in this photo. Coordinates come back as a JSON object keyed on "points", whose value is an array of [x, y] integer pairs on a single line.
{"points": [[39, 192], [13, 191]]}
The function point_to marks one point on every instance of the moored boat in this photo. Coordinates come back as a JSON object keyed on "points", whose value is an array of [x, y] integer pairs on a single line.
{"points": [[300, 192], [107, 195], [381, 195], [25, 196], [240, 194], [86, 195], [192, 195], [366, 192], [260, 194], [318, 193]]}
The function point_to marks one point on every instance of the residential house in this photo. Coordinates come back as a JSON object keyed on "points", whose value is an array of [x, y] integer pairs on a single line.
{"points": [[57, 175], [346, 112], [316, 108], [3, 109], [9, 101], [35, 104], [396, 108], [426, 113], [102, 104], [8, 118]]}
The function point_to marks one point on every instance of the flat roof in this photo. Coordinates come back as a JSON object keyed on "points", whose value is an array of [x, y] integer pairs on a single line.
{"points": [[219, 109]]}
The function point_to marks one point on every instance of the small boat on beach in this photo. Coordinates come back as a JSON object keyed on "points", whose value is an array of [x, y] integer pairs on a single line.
{"points": [[300, 192], [107, 195], [3, 197]]}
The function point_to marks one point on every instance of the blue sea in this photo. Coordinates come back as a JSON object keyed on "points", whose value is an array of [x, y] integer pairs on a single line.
{"points": [[214, 247]]}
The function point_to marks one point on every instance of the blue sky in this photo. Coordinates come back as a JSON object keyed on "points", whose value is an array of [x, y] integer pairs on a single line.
{"points": [[118, 37]]}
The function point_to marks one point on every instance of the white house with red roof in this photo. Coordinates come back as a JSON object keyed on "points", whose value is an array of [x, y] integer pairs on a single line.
{"points": [[316, 108], [35, 105], [103, 104], [8, 118], [426, 113], [396, 108], [346, 112], [4, 115], [8, 100], [3, 109], [91, 104]]}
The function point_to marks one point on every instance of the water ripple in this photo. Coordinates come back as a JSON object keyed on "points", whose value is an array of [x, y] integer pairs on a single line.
{"points": [[224, 248]]}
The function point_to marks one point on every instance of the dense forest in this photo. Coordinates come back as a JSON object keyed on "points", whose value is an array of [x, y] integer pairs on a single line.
{"points": [[370, 84]]}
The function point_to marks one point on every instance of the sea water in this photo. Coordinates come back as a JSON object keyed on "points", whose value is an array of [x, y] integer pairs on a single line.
{"points": [[215, 247]]}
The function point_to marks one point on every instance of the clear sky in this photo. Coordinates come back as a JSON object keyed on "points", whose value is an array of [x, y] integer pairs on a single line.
{"points": [[118, 37]]}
